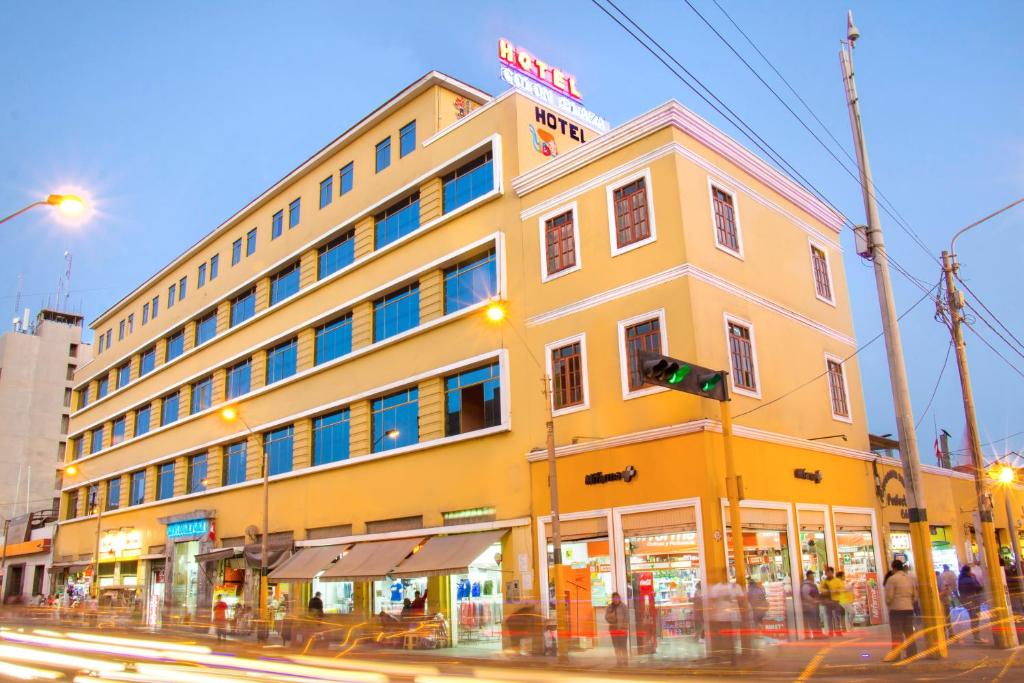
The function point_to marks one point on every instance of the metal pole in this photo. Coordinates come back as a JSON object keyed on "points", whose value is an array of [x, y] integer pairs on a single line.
{"points": [[1011, 527], [96, 557], [1002, 637], [3, 561], [21, 211], [920, 532], [561, 618], [732, 491], [264, 536]]}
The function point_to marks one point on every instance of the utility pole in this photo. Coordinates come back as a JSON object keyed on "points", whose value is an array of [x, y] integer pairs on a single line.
{"points": [[920, 534], [561, 612], [1001, 637]]}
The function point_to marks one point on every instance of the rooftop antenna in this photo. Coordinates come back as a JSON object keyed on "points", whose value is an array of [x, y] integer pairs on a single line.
{"points": [[17, 302], [64, 285]]}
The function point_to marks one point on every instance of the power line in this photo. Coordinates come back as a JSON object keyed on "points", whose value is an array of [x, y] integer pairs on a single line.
{"points": [[936, 389], [989, 443], [987, 310], [986, 343]]}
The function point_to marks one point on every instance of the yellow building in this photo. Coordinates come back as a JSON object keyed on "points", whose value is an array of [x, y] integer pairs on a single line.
{"points": [[341, 314]]}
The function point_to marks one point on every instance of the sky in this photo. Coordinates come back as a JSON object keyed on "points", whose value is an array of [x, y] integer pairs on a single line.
{"points": [[172, 116]]}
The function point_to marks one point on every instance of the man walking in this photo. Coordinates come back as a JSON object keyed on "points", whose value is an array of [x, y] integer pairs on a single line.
{"points": [[810, 598], [900, 597], [618, 628], [971, 595]]}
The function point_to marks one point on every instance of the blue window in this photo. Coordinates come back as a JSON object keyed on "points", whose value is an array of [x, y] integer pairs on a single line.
{"points": [[397, 220], [250, 242], [175, 346], [120, 331], [97, 440], [145, 313], [281, 361], [243, 307], [102, 386], [294, 210], [83, 397], [197, 466], [467, 182], [396, 420], [471, 281], [181, 288], [171, 296], [156, 306], [165, 481], [236, 251], [284, 283], [278, 446], [142, 420], [347, 176], [91, 496], [333, 340], [108, 338], [239, 379], [79, 447], [72, 505], [202, 395], [326, 191], [234, 463], [407, 139], [137, 492], [131, 323], [336, 254], [396, 312], [214, 263], [383, 154], [201, 276], [124, 375], [330, 437], [147, 361], [206, 328], [169, 408], [113, 493], [117, 430], [277, 225], [472, 400]]}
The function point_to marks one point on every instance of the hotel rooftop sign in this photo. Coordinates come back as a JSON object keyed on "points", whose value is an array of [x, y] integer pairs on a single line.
{"points": [[549, 84]]}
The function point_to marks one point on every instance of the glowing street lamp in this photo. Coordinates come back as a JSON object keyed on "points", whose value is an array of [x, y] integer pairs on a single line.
{"points": [[495, 312], [68, 204], [1007, 476]]}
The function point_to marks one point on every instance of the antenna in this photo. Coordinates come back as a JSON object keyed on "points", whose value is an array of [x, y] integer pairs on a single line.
{"points": [[63, 305], [17, 301]]}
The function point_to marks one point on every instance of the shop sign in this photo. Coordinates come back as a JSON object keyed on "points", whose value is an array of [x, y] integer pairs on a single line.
{"points": [[189, 527], [627, 475], [814, 476], [522, 61], [119, 543], [885, 497]]}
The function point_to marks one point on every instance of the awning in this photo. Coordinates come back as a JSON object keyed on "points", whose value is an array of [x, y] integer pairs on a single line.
{"points": [[448, 554], [371, 561], [307, 563], [277, 552], [218, 554], [72, 567]]}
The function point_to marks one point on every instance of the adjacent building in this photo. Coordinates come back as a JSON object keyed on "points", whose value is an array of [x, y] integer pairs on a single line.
{"points": [[342, 317]]}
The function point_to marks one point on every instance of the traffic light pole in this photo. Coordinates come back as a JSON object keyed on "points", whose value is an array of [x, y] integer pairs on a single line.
{"points": [[561, 615], [732, 491], [1001, 637], [920, 533]]}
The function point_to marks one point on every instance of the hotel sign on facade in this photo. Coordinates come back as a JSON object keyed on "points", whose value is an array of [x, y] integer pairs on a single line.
{"points": [[549, 84]]}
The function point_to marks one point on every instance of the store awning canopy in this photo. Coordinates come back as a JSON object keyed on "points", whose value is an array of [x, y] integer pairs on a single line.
{"points": [[218, 554], [443, 555], [277, 552], [307, 563], [371, 561]]}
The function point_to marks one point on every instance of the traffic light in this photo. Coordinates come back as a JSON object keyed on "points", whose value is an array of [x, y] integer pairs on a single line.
{"points": [[682, 376]]}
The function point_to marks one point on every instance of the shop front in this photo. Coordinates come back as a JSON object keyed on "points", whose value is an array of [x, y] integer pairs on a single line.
{"points": [[187, 589], [859, 558]]}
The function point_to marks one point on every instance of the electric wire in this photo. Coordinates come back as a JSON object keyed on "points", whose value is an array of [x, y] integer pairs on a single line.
{"points": [[990, 443], [989, 325], [981, 303], [935, 390], [994, 350]]}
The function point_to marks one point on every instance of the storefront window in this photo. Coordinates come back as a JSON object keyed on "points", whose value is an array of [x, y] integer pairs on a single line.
{"points": [[768, 560], [813, 547], [389, 596], [477, 602], [337, 595], [855, 542], [943, 550], [185, 583]]}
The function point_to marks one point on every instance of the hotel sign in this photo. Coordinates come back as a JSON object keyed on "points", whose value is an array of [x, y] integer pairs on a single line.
{"points": [[549, 84]]}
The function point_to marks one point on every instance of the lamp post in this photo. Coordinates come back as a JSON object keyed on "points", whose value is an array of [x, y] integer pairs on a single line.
{"points": [[230, 414], [70, 204], [1006, 476]]}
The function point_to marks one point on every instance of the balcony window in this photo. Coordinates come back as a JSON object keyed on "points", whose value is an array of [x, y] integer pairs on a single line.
{"points": [[333, 340], [397, 220], [396, 312], [284, 284], [278, 445], [281, 360], [238, 380], [471, 281], [395, 420], [331, 437], [467, 182], [472, 400], [234, 463], [336, 254], [243, 307], [202, 395], [206, 328]]}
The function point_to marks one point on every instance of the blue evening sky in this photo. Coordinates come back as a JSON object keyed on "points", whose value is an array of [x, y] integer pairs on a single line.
{"points": [[174, 115]]}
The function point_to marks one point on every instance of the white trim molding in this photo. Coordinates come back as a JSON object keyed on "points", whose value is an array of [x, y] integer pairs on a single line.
{"points": [[584, 377], [542, 249], [729, 318], [830, 357], [613, 227], [657, 314], [714, 184]]}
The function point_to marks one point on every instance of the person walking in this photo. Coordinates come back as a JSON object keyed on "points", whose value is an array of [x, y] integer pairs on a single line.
{"points": [[220, 618], [698, 612], [316, 606], [971, 594], [900, 597], [845, 602], [947, 589], [618, 628], [757, 598], [724, 619], [810, 597], [831, 588]]}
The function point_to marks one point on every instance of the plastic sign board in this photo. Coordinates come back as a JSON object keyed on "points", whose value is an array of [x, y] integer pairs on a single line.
{"points": [[187, 528], [119, 543]]}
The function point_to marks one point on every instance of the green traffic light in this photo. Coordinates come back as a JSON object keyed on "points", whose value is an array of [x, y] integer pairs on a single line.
{"points": [[679, 375], [710, 381]]}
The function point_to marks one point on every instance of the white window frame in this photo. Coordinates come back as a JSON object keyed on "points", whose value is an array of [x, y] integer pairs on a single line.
{"points": [[548, 348], [730, 318], [544, 275], [624, 358], [724, 187], [613, 228], [811, 246], [846, 389]]}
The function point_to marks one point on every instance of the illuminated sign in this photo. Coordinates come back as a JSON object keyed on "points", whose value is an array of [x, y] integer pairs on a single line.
{"points": [[189, 527], [551, 76], [121, 543]]}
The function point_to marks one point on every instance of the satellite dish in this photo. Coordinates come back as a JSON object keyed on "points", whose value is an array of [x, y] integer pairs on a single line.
{"points": [[252, 532]]}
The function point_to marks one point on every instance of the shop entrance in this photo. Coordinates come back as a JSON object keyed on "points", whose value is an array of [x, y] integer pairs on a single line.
{"points": [[588, 579], [477, 601], [814, 542], [185, 577], [855, 539]]}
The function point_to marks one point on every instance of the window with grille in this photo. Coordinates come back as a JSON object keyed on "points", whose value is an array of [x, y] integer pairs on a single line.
{"points": [[631, 219], [642, 336], [560, 243], [726, 231], [567, 375], [741, 355], [837, 389], [822, 283]]}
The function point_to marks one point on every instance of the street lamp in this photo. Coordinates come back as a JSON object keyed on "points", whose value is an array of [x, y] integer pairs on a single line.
{"points": [[1007, 477], [230, 414], [69, 204]]}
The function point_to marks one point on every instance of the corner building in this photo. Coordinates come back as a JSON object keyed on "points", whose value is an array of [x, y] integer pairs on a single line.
{"points": [[341, 314]]}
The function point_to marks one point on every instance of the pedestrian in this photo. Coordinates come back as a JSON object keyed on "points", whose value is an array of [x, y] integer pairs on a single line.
{"points": [[316, 606], [698, 611], [971, 593], [810, 598], [419, 602], [900, 597], [845, 601], [220, 618], [947, 589], [723, 605], [833, 589], [757, 598], [618, 628]]}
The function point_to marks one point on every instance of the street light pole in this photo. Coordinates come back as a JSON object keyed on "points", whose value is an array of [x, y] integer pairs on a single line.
{"points": [[561, 615], [920, 533], [68, 203], [96, 558]]}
